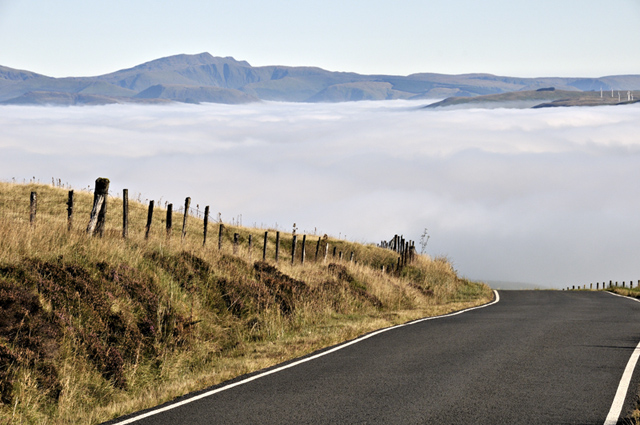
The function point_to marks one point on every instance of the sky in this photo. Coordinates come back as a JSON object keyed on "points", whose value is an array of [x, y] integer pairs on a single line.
{"points": [[524, 38], [542, 196]]}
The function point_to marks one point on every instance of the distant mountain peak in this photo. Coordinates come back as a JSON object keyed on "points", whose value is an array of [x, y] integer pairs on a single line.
{"points": [[185, 61]]}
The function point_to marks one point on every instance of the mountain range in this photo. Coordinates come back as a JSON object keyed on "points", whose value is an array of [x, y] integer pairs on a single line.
{"points": [[206, 78]]}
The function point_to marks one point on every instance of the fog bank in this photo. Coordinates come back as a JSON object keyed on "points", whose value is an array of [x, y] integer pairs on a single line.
{"points": [[546, 196]]}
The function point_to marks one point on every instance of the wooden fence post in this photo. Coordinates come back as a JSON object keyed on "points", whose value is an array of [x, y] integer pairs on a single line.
{"points": [[340, 256], [277, 245], [293, 249], [220, 231], [335, 249], [304, 243], [326, 252], [264, 247], [99, 210], [317, 249], [70, 211], [206, 224], [169, 220], [351, 258], [187, 203], [250, 246], [147, 229], [125, 213], [33, 206], [236, 238]]}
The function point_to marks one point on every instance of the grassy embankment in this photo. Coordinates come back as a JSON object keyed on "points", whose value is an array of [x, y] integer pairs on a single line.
{"points": [[94, 328]]}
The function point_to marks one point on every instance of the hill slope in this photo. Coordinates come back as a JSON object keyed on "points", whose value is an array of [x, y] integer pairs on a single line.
{"points": [[540, 98], [92, 328], [285, 83]]}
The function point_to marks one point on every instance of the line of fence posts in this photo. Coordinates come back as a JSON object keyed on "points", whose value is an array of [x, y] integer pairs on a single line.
{"points": [[406, 250], [612, 284], [97, 218]]}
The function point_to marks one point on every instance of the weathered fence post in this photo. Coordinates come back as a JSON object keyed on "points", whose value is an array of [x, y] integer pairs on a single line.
{"points": [[250, 246], [335, 250], [340, 256], [125, 213], [220, 231], [591, 286], [326, 251], [169, 220], [277, 245], [351, 257], [206, 224], [99, 211], [147, 229], [293, 248], [317, 249], [236, 238], [264, 247], [70, 211], [33, 206], [187, 203], [304, 243]]}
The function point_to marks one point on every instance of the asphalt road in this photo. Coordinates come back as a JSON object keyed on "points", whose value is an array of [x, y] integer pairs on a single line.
{"points": [[536, 357]]}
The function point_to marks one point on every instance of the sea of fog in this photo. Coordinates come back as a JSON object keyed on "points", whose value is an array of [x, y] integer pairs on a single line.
{"points": [[546, 196]]}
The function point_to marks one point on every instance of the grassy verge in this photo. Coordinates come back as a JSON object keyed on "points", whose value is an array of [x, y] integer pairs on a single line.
{"points": [[93, 328]]}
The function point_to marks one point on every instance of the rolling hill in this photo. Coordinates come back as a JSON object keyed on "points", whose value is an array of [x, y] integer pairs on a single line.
{"points": [[206, 78]]}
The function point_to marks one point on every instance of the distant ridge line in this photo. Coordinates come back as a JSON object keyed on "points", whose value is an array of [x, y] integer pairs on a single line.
{"points": [[206, 78]]}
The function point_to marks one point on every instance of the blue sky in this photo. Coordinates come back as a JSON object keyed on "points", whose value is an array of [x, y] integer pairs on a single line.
{"points": [[586, 38]]}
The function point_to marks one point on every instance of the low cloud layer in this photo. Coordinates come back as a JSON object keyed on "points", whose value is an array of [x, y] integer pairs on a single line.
{"points": [[548, 196]]}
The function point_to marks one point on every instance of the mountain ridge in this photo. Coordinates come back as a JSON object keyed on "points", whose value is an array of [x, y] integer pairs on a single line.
{"points": [[209, 78]]}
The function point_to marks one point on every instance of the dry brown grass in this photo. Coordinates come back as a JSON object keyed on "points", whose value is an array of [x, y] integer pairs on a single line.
{"points": [[119, 325]]}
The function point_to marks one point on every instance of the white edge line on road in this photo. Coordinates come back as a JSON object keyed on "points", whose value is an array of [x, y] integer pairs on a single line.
{"points": [[625, 381], [296, 363]]}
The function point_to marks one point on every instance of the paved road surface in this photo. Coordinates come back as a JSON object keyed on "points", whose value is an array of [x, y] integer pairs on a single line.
{"points": [[536, 357]]}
